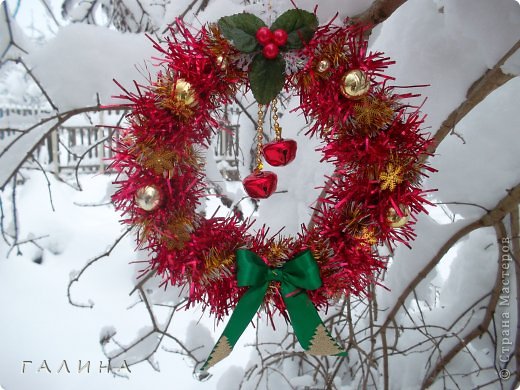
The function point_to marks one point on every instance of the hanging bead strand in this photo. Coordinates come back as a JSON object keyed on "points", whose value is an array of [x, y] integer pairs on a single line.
{"points": [[277, 128], [260, 184], [259, 138]]}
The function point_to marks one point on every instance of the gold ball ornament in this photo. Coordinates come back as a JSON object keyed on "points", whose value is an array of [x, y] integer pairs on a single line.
{"points": [[354, 84], [184, 93], [395, 220], [221, 62], [148, 198], [323, 66]]}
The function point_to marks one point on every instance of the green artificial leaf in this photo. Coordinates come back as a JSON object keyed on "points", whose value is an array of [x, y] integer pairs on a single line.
{"points": [[241, 30], [300, 26], [266, 78]]}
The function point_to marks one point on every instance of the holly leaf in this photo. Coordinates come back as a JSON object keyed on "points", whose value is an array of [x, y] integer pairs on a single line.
{"points": [[300, 26], [266, 77], [240, 30]]}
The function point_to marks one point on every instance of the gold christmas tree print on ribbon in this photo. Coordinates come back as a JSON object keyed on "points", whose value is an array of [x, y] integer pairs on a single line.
{"points": [[297, 275]]}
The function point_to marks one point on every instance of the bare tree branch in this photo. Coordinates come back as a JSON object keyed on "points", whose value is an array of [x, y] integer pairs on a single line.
{"points": [[61, 118], [479, 90], [491, 218], [76, 277], [482, 327], [378, 12]]}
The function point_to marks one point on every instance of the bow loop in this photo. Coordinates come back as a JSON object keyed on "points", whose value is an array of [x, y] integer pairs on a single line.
{"points": [[251, 269], [303, 271], [300, 272], [296, 275]]}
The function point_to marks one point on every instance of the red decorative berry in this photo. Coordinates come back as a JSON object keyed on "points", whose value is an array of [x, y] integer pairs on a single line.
{"points": [[264, 36], [260, 185], [280, 37], [270, 51], [280, 153]]}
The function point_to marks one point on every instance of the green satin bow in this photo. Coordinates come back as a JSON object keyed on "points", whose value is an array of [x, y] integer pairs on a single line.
{"points": [[296, 275]]}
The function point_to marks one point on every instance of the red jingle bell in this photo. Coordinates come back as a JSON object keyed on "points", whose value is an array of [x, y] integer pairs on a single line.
{"points": [[260, 184], [280, 153]]}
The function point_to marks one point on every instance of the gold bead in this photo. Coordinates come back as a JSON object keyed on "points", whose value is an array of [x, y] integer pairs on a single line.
{"points": [[395, 220], [184, 93], [354, 84], [323, 66], [148, 198], [221, 62]]}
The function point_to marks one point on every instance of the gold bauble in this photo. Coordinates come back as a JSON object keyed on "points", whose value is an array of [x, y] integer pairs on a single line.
{"points": [[221, 62], [148, 198], [184, 93], [395, 220], [323, 66], [354, 84]]}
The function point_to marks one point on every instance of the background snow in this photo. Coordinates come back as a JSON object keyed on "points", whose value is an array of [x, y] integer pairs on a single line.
{"points": [[90, 57], [447, 44]]}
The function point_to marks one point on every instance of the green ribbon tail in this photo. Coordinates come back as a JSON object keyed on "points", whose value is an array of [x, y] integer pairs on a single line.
{"points": [[296, 276], [308, 327], [244, 312]]}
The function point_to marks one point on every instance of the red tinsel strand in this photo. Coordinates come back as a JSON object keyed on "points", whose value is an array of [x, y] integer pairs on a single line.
{"points": [[359, 156]]}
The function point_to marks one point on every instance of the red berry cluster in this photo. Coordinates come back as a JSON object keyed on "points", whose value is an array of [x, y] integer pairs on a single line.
{"points": [[271, 41]]}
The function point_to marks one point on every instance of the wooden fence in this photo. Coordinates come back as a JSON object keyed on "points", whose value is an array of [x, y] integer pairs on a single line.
{"points": [[88, 148]]}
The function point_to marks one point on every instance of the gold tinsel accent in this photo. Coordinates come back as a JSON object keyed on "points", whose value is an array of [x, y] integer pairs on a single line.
{"points": [[357, 219], [335, 52], [217, 44], [159, 160], [320, 250], [225, 56], [278, 253], [368, 236], [391, 177], [372, 113], [144, 230], [174, 235], [322, 344], [332, 53], [162, 159], [221, 351], [217, 264], [178, 232]]}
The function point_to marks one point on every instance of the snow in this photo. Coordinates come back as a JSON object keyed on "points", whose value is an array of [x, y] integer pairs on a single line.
{"points": [[16, 148], [484, 183], [512, 65], [302, 381], [200, 340], [436, 48], [448, 44], [75, 60], [42, 325], [13, 42], [230, 379], [4, 31], [481, 136], [499, 19]]}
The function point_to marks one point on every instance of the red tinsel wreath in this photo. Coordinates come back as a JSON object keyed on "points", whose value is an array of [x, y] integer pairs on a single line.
{"points": [[374, 141]]}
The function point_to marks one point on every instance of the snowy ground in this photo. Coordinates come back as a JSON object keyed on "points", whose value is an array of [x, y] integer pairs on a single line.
{"points": [[38, 323], [448, 49]]}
